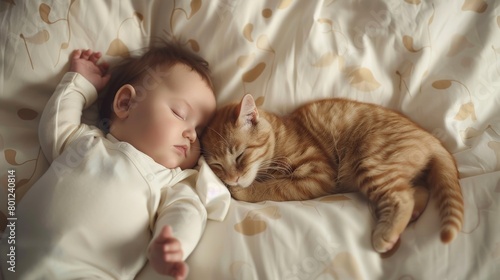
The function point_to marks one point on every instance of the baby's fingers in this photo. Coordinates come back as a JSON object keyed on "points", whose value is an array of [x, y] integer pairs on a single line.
{"points": [[76, 54], [173, 256], [94, 57], [86, 54], [180, 271]]}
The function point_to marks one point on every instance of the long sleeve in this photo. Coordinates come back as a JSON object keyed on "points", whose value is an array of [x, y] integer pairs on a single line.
{"points": [[61, 118], [181, 208]]}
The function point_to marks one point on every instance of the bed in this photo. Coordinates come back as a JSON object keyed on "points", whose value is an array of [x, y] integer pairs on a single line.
{"points": [[438, 62]]}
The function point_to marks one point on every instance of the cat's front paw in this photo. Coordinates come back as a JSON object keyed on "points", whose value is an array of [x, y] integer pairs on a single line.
{"points": [[239, 193], [383, 243]]}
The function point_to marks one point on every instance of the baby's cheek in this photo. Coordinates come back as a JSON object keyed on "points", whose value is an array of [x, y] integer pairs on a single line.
{"points": [[193, 156]]}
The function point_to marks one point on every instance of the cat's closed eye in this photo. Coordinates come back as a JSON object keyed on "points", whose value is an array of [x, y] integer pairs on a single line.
{"points": [[240, 156], [216, 165]]}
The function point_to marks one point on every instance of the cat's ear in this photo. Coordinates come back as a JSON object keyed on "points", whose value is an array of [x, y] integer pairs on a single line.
{"points": [[247, 112]]}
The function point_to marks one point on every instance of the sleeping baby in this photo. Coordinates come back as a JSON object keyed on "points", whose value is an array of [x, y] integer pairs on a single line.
{"points": [[113, 200]]}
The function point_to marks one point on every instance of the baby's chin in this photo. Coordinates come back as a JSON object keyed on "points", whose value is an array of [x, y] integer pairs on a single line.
{"points": [[189, 163]]}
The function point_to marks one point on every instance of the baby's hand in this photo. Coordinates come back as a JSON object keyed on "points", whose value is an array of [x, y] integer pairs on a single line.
{"points": [[84, 62], [165, 255]]}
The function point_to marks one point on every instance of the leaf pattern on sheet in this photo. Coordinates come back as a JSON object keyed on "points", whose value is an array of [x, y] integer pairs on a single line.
{"points": [[441, 84], [27, 114], [40, 37], [194, 45], [195, 7], [495, 146], [259, 101], [10, 157], [178, 16], [405, 73], [250, 226], [284, 4], [244, 61], [362, 79], [408, 43], [262, 43], [267, 13], [117, 47], [458, 44], [255, 222], [252, 74], [466, 110], [44, 11], [344, 266], [247, 32], [478, 6]]}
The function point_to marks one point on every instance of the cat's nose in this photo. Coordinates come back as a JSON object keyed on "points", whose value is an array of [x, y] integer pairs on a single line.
{"points": [[233, 181]]}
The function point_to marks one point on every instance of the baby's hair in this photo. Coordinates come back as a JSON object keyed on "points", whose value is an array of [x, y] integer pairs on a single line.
{"points": [[134, 68]]}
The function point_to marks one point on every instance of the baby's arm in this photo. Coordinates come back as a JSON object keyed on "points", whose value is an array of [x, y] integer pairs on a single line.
{"points": [[181, 209], [166, 256], [61, 118]]}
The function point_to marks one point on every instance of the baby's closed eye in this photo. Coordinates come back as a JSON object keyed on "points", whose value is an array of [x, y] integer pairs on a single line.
{"points": [[179, 114]]}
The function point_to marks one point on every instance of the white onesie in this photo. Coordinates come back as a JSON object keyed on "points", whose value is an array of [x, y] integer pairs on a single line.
{"points": [[94, 212]]}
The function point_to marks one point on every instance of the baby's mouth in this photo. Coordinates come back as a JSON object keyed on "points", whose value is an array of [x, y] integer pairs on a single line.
{"points": [[182, 149]]}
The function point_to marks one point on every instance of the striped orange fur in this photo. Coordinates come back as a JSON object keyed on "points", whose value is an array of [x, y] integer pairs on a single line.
{"points": [[334, 146]]}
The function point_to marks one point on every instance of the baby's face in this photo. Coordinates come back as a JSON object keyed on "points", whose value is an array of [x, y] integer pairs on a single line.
{"points": [[168, 116]]}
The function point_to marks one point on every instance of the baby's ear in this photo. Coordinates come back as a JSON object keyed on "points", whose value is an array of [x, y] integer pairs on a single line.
{"points": [[247, 111], [123, 101]]}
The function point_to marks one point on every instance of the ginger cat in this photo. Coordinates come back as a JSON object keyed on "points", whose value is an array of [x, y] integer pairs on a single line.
{"points": [[333, 146]]}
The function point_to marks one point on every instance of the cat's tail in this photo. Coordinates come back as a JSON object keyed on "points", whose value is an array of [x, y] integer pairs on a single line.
{"points": [[443, 180]]}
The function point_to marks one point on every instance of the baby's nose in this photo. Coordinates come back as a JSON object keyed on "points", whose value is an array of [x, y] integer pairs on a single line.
{"points": [[190, 134]]}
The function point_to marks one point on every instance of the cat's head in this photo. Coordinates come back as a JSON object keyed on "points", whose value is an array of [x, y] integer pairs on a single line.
{"points": [[238, 143]]}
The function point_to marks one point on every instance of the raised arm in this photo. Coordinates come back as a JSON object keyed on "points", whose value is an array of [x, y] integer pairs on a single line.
{"points": [[61, 118]]}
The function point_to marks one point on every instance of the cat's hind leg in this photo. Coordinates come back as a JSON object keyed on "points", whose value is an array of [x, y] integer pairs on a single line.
{"points": [[394, 210]]}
